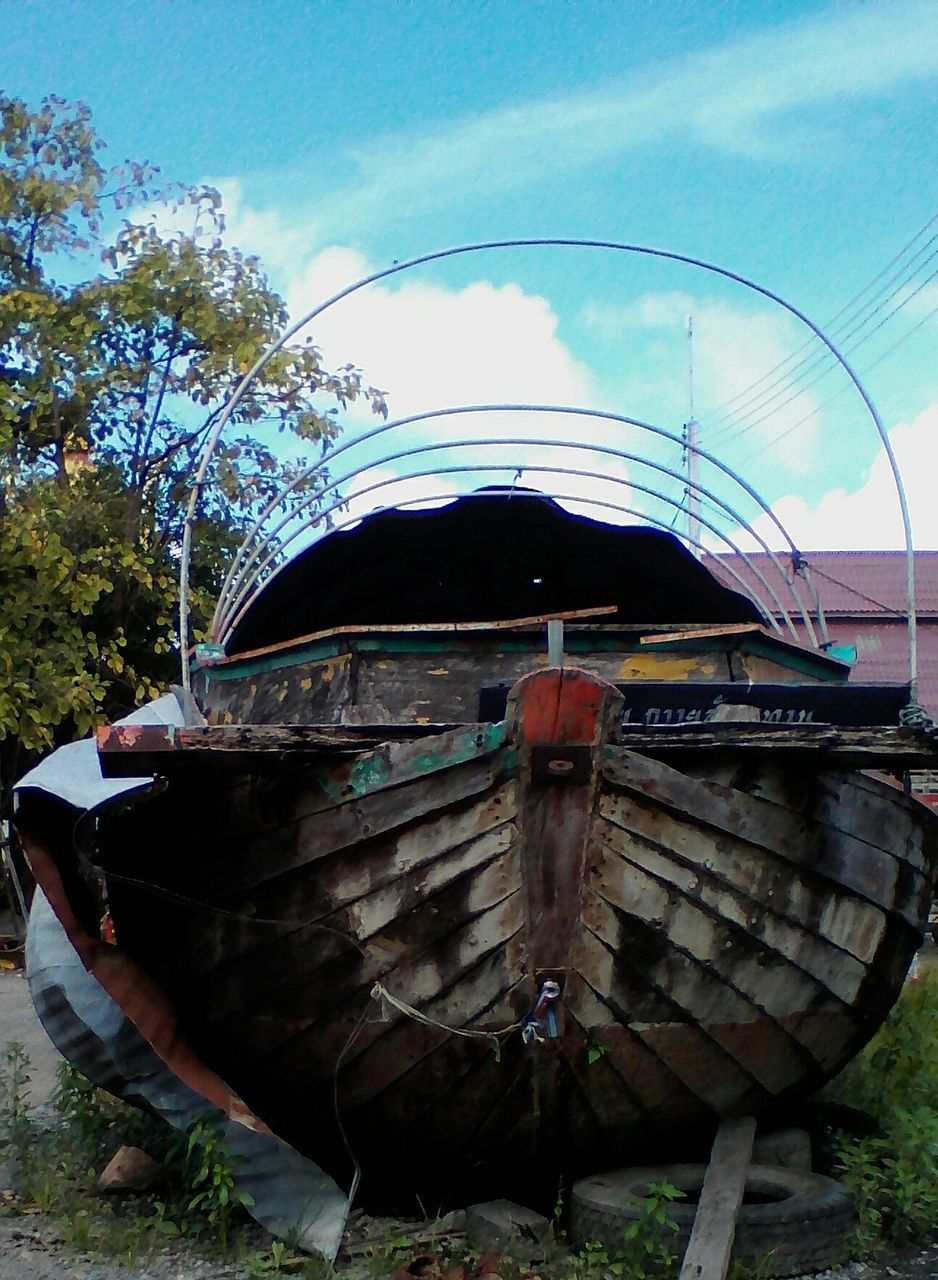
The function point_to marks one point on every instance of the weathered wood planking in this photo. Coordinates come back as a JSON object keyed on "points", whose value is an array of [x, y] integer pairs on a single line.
{"points": [[870, 871], [889, 747], [721, 940], [136, 750], [414, 674], [707, 1256], [841, 974]]}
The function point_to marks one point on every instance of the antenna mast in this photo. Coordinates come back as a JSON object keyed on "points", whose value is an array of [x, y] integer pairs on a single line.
{"points": [[692, 444]]}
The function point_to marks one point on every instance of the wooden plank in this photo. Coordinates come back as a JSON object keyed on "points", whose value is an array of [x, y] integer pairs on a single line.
{"points": [[639, 1071], [840, 747], [667, 850], [858, 867], [706, 633], [387, 927], [409, 628], [458, 943], [766, 640], [692, 1055], [711, 1240], [350, 824], [137, 750]]}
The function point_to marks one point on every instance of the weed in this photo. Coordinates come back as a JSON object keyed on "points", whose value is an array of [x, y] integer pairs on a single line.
{"points": [[78, 1102], [16, 1126], [385, 1257], [647, 1247], [281, 1259], [595, 1050], [648, 1242], [207, 1170], [895, 1080], [763, 1269], [557, 1216]]}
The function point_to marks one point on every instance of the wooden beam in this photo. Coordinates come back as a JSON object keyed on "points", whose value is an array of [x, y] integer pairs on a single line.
{"points": [[137, 750], [889, 747], [415, 628], [711, 1241]]}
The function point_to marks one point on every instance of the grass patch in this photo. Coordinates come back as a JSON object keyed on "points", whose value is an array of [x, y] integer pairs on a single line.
{"points": [[55, 1171], [892, 1170]]}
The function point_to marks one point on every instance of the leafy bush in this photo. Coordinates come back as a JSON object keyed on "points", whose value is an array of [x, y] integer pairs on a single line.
{"points": [[57, 1167], [210, 1197], [85, 1121]]}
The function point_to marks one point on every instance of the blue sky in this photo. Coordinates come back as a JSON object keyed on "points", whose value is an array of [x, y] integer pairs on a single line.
{"points": [[791, 141]]}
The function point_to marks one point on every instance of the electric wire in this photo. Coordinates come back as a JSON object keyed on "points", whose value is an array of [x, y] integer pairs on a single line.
{"points": [[819, 366], [718, 410], [783, 435], [815, 357]]}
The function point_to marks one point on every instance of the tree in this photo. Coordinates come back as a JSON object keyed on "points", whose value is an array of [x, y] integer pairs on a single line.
{"points": [[109, 383]]}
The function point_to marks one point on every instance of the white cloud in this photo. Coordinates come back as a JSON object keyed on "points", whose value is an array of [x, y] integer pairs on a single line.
{"points": [[742, 97], [738, 400], [868, 519], [263, 233], [429, 346]]}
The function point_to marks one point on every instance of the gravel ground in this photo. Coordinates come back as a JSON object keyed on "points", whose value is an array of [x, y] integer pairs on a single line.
{"points": [[32, 1247]]}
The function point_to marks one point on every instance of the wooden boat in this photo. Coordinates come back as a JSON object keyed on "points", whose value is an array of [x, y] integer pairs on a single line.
{"points": [[476, 912]]}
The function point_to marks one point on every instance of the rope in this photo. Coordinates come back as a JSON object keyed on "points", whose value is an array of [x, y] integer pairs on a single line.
{"points": [[915, 716], [494, 1038]]}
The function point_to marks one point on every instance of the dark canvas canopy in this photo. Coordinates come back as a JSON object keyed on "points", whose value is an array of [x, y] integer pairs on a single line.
{"points": [[485, 557]]}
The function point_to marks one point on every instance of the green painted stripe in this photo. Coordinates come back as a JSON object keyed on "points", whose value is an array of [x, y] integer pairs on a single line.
{"points": [[257, 666], [374, 771]]}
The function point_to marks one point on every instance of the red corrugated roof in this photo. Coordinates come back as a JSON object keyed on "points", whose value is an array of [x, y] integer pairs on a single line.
{"points": [[860, 582], [863, 594]]}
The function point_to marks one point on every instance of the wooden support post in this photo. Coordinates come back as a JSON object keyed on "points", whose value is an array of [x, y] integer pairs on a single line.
{"points": [[555, 642], [711, 1240]]}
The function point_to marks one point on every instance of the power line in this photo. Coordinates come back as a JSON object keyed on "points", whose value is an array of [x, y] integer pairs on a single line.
{"points": [[840, 390], [815, 359], [717, 409], [755, 422]]}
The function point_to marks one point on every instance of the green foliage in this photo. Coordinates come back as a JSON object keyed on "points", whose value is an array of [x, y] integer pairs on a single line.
{"points": [[648, 1243], [280, 1259], [16, 1127], [892, 1172], [595, 1050], [84, 1119], [386, 1256], [118, 349], [207, 1170]]}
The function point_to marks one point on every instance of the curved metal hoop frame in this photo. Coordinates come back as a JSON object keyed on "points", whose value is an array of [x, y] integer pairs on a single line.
{"points": [[244, 577], [259, 553]]}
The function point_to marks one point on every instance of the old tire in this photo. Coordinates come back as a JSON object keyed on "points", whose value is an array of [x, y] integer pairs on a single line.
{"points": [[805, 1226]]}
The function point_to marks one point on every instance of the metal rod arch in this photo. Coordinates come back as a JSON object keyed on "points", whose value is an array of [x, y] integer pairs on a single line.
{"points": [[244, 593], [229, 587], [242, 603], [545, 242]]}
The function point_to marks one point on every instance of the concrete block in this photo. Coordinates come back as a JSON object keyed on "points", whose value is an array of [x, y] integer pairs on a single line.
{"points": [[501, 1226]]}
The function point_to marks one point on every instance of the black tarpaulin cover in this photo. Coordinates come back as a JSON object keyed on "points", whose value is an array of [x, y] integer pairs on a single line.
{"points": [[486, 557]]}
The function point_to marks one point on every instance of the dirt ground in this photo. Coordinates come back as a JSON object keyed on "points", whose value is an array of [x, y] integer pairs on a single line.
{"points": [[32, 1246]]}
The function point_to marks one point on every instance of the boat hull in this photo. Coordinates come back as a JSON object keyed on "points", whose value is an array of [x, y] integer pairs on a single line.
{"points": [[725, 934]]}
